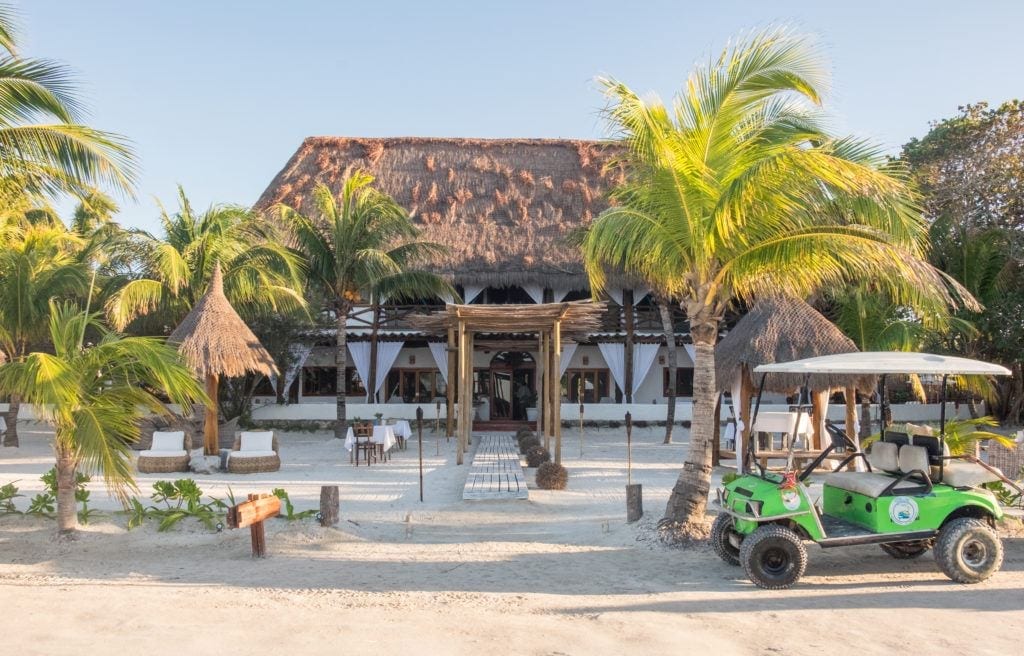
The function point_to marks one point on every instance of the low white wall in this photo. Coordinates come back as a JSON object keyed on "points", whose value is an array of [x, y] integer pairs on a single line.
{"points": [[328, 412]]}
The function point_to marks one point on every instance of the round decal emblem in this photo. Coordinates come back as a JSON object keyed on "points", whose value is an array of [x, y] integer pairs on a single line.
{"points": [[791, 499], [903, 511]]}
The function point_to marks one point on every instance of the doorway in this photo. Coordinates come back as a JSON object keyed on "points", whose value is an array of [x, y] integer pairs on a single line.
{"points": [[512, 389]]}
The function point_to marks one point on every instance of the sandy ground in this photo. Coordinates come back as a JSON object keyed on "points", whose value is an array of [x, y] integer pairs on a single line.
{"points": [[561, 573]]}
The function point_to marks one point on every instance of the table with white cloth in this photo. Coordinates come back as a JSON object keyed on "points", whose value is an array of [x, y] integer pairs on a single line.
{"points": [[784, 423], [402, 429], [382, 435]]}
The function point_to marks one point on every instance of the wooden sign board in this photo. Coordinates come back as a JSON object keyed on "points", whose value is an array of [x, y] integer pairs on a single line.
{"points": [[253, 511]]}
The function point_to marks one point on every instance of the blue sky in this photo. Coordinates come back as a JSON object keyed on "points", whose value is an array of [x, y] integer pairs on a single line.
{"points": [[216, 95]]}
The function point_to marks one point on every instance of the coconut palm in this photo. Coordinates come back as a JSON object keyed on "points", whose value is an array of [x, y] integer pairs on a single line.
{"points": [[361, 245], [37, 263], [42, 142], [95, 395], [260, 273], [737, 190]]}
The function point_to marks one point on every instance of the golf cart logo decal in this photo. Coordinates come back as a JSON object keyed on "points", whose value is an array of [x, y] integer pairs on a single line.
{"points": [[903, 511], [791, 499]]}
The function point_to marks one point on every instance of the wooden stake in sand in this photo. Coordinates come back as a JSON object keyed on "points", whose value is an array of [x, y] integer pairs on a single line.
{"points": [[634, 492], [251, 513], [330, 505], [579, 395]]}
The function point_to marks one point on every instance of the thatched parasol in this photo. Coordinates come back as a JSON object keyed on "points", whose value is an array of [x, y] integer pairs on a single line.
{"points": [[781, 330], [216, 342]]}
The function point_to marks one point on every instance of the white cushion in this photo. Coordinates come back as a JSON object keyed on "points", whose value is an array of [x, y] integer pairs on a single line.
{"points": [[163, 454], [913, 457], [252, 454], [257, 441], [966, 474], [867, 483], [168, 441], [884, 456]]}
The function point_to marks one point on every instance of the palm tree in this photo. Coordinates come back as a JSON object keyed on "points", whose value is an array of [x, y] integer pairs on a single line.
{"points": [[260, 273], [42, 143], [737, 190], [361, 245], [95, 395], [37, 263]]}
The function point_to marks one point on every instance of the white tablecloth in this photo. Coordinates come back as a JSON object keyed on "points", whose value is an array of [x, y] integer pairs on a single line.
{"points": [[782, 422], [381, 435], [402, 428]]}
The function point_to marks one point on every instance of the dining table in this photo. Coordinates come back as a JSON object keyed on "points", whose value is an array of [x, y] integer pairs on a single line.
{"points": [[784, 423], [382, 435], [403, 431]]}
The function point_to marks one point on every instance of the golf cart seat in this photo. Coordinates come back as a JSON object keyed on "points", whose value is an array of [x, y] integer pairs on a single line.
{"points": [[890, 458], [966, 474]]}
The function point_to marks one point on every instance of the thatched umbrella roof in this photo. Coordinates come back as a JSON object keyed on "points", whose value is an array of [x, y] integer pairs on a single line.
{"points": [[502, 207], [215, 340], [781, 330]]}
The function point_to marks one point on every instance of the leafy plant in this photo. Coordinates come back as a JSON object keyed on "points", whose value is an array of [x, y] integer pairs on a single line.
{"points": [[180, 499], [8, 493], [289, 510], [45, 503], [961, 434]]}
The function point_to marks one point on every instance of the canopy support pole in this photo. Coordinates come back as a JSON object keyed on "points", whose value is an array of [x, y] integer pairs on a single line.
{"points": [[211, 441], [556, 390], [452, 386], [850, 397]]}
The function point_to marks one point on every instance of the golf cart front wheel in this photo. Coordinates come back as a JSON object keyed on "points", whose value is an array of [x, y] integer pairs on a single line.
{"points": [[907, 550], [773, 557], [968, 550], [722, 537]]}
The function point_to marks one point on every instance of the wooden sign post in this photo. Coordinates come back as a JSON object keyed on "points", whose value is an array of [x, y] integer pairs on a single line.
{"points": [[251, 513], [634, 492]]}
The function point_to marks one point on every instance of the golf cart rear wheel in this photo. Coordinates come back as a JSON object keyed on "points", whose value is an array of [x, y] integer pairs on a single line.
{"points": [[773, 557], [968, 550], [721, 531], [907, 550]]}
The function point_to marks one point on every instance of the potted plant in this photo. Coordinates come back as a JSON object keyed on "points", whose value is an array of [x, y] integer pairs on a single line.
{"points": [[528, 399], [380, 418]]}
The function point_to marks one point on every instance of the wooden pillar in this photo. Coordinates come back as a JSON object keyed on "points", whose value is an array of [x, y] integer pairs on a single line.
{"points": [[819, 401], [453, 386], [211, 438], [464, 394], [850, 398], [371, 382], [746, 392], [628, 318], [470, 382], [556, 389], [545, 391], [538, 383]]}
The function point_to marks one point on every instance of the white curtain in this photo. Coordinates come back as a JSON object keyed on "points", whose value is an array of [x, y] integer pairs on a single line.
{"points": [[360, 352], [299, 353], [536, 292], [387, 353], [567, 350], [440, 352], [737, 411], [615, 357], [615, 294], [447, 299], [560, 293], [691, 352], [472, 291], [643, 358]]}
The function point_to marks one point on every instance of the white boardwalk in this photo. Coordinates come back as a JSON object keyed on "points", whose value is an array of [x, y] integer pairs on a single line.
{"points": [[496, 472]]}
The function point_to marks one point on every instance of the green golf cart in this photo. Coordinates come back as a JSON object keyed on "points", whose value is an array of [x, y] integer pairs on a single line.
{"points": [[911, 495]]}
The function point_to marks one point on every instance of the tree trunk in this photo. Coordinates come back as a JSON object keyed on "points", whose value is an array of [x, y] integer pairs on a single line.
{"points": [[341, 362], [689, 497], [279, 389], [865, 416], [673, 365], [11, 436], [67, 512], [371, 384], [627, 356]]}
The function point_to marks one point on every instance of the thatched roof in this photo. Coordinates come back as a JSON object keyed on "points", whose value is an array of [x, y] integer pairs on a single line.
{"points": [[781, 330], [503, 207], [215, 340]]}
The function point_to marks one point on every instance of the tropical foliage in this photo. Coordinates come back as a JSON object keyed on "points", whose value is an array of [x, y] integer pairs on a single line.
{"points": [[737, 190], [94, 395], [360, 247]]}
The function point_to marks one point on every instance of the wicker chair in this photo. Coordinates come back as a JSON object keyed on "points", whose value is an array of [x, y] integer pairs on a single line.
{"points": [[162, 459], [240, 463], [1010, 461]]}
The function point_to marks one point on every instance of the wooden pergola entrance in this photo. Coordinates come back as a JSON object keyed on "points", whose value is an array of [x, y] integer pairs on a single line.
{"points": [[550, 322]]}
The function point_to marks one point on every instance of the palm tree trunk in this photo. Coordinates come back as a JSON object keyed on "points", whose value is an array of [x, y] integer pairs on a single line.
{"points": [[673, 364], [865, 416], [67, 517], [341, 361], [13, 407], [689, 496]]}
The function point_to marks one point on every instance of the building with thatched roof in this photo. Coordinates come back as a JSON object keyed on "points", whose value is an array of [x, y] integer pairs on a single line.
{"points": [[505, 209]]}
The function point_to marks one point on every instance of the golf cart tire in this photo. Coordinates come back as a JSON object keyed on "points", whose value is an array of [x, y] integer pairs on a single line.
{"points": [[720, 531], [968, 550], [773, 557], [907, 550]]}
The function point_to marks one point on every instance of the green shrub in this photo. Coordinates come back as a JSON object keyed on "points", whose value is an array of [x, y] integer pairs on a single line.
{"points": [[552, 476], [8, 493], [289, 510], [536, 456]]}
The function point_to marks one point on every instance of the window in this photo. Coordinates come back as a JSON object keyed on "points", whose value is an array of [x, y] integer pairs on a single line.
{"points": [[323, 381], [684, 381], [413, 386], [593, 381]]}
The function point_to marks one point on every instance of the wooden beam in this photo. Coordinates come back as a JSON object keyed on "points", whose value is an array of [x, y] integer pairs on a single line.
{"points": [[818, 403], [628, 319], [463, 393], [850, 398], [538, 383], [211, 436], [256, 509], [452, 383], [746, 392], [556, 390]]}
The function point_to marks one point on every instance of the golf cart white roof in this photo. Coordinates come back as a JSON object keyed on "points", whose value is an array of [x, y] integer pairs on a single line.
{"points": [[885, 362]]}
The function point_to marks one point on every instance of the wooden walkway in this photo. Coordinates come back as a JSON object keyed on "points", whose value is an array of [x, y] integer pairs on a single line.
{"points": [[496, 472]]}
